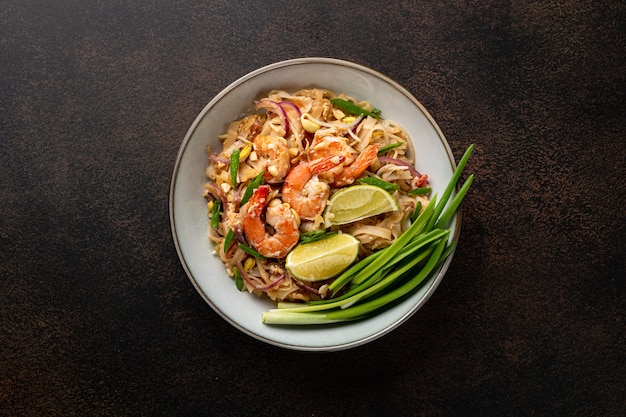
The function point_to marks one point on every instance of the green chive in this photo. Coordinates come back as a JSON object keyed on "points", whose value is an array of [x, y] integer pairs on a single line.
{"points": [[215, 214], [234, 166], [250, 251], [416, 212], [314, 236], [228, 240], [238, 279], [451, 185], [253, 185], [387, 186], [419, 191], [454, 205], [352, 108], [389, 147]]}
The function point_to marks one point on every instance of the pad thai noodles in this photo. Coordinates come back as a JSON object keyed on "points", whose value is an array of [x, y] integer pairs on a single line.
{"points": [[268, 187]]}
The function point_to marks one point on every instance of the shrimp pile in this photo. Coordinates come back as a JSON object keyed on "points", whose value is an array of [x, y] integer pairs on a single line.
{"points": [[277, 169]]}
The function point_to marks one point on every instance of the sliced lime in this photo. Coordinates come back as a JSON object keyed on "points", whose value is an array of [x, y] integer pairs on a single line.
{"points": [[358, 202], [322, 259]]}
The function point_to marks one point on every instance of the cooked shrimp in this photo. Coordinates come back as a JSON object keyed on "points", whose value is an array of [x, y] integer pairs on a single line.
{"points": [[277, 215], [330, 145], [274, 152], [304, 191], [355, 169]]}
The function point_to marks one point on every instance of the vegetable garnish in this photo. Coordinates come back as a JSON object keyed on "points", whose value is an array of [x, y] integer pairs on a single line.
{"points": [[416, 211], [315, 235], [383, 150], [389, 274], [387, 186], [228, 240], [215, 214], [234, 166], [250, 251], [419, 191], [352, 108], [253, 185], [451, 185], [238, 279]]}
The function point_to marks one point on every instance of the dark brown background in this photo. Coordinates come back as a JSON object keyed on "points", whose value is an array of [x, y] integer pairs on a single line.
{"points": [[97, 317]]}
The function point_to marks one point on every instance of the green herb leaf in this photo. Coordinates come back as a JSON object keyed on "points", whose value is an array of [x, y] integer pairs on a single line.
{"points": [[450, 211], [238, 279], [419, 191], [215, 214], [228, 240], [389, 147], [416, 212], [450, 187], [314, 236], [253, 185], [387, 186], [234, 166], [352, 108], [250, 251]]}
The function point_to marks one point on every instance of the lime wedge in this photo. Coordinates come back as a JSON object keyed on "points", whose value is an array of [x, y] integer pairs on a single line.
{"points": [[322, 259], [358, 202]]}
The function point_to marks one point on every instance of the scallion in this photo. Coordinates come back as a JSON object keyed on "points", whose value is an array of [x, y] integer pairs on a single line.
{"points": [[228, 239], [315, 235], [250, 251], [215, 214], [417, 211], [419, 191], [352, 108], [234, 166], [253, 185], [238, 279], [389, 147], [450, 187], [387, 186]]}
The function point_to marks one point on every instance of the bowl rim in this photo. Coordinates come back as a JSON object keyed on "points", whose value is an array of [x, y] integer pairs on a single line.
{"points": [[434, 282]]}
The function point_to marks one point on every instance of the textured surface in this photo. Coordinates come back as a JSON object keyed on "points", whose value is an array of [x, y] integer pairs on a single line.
{"points": [[97, 316]]}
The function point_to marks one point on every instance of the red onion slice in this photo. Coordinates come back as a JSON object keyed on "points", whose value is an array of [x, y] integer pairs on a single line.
{"points": [[290, 105], [274, 107], [293, 115], [421, 178], [305, 287], [216, 191], [215, 158], [389, 160]]}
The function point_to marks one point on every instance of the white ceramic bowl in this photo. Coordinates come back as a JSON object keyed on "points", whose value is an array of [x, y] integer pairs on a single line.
{"points": [[188, 213]]}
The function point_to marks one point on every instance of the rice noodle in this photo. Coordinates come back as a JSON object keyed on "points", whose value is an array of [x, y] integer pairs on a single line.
{"points": [[338, 125], [372, 230]]}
